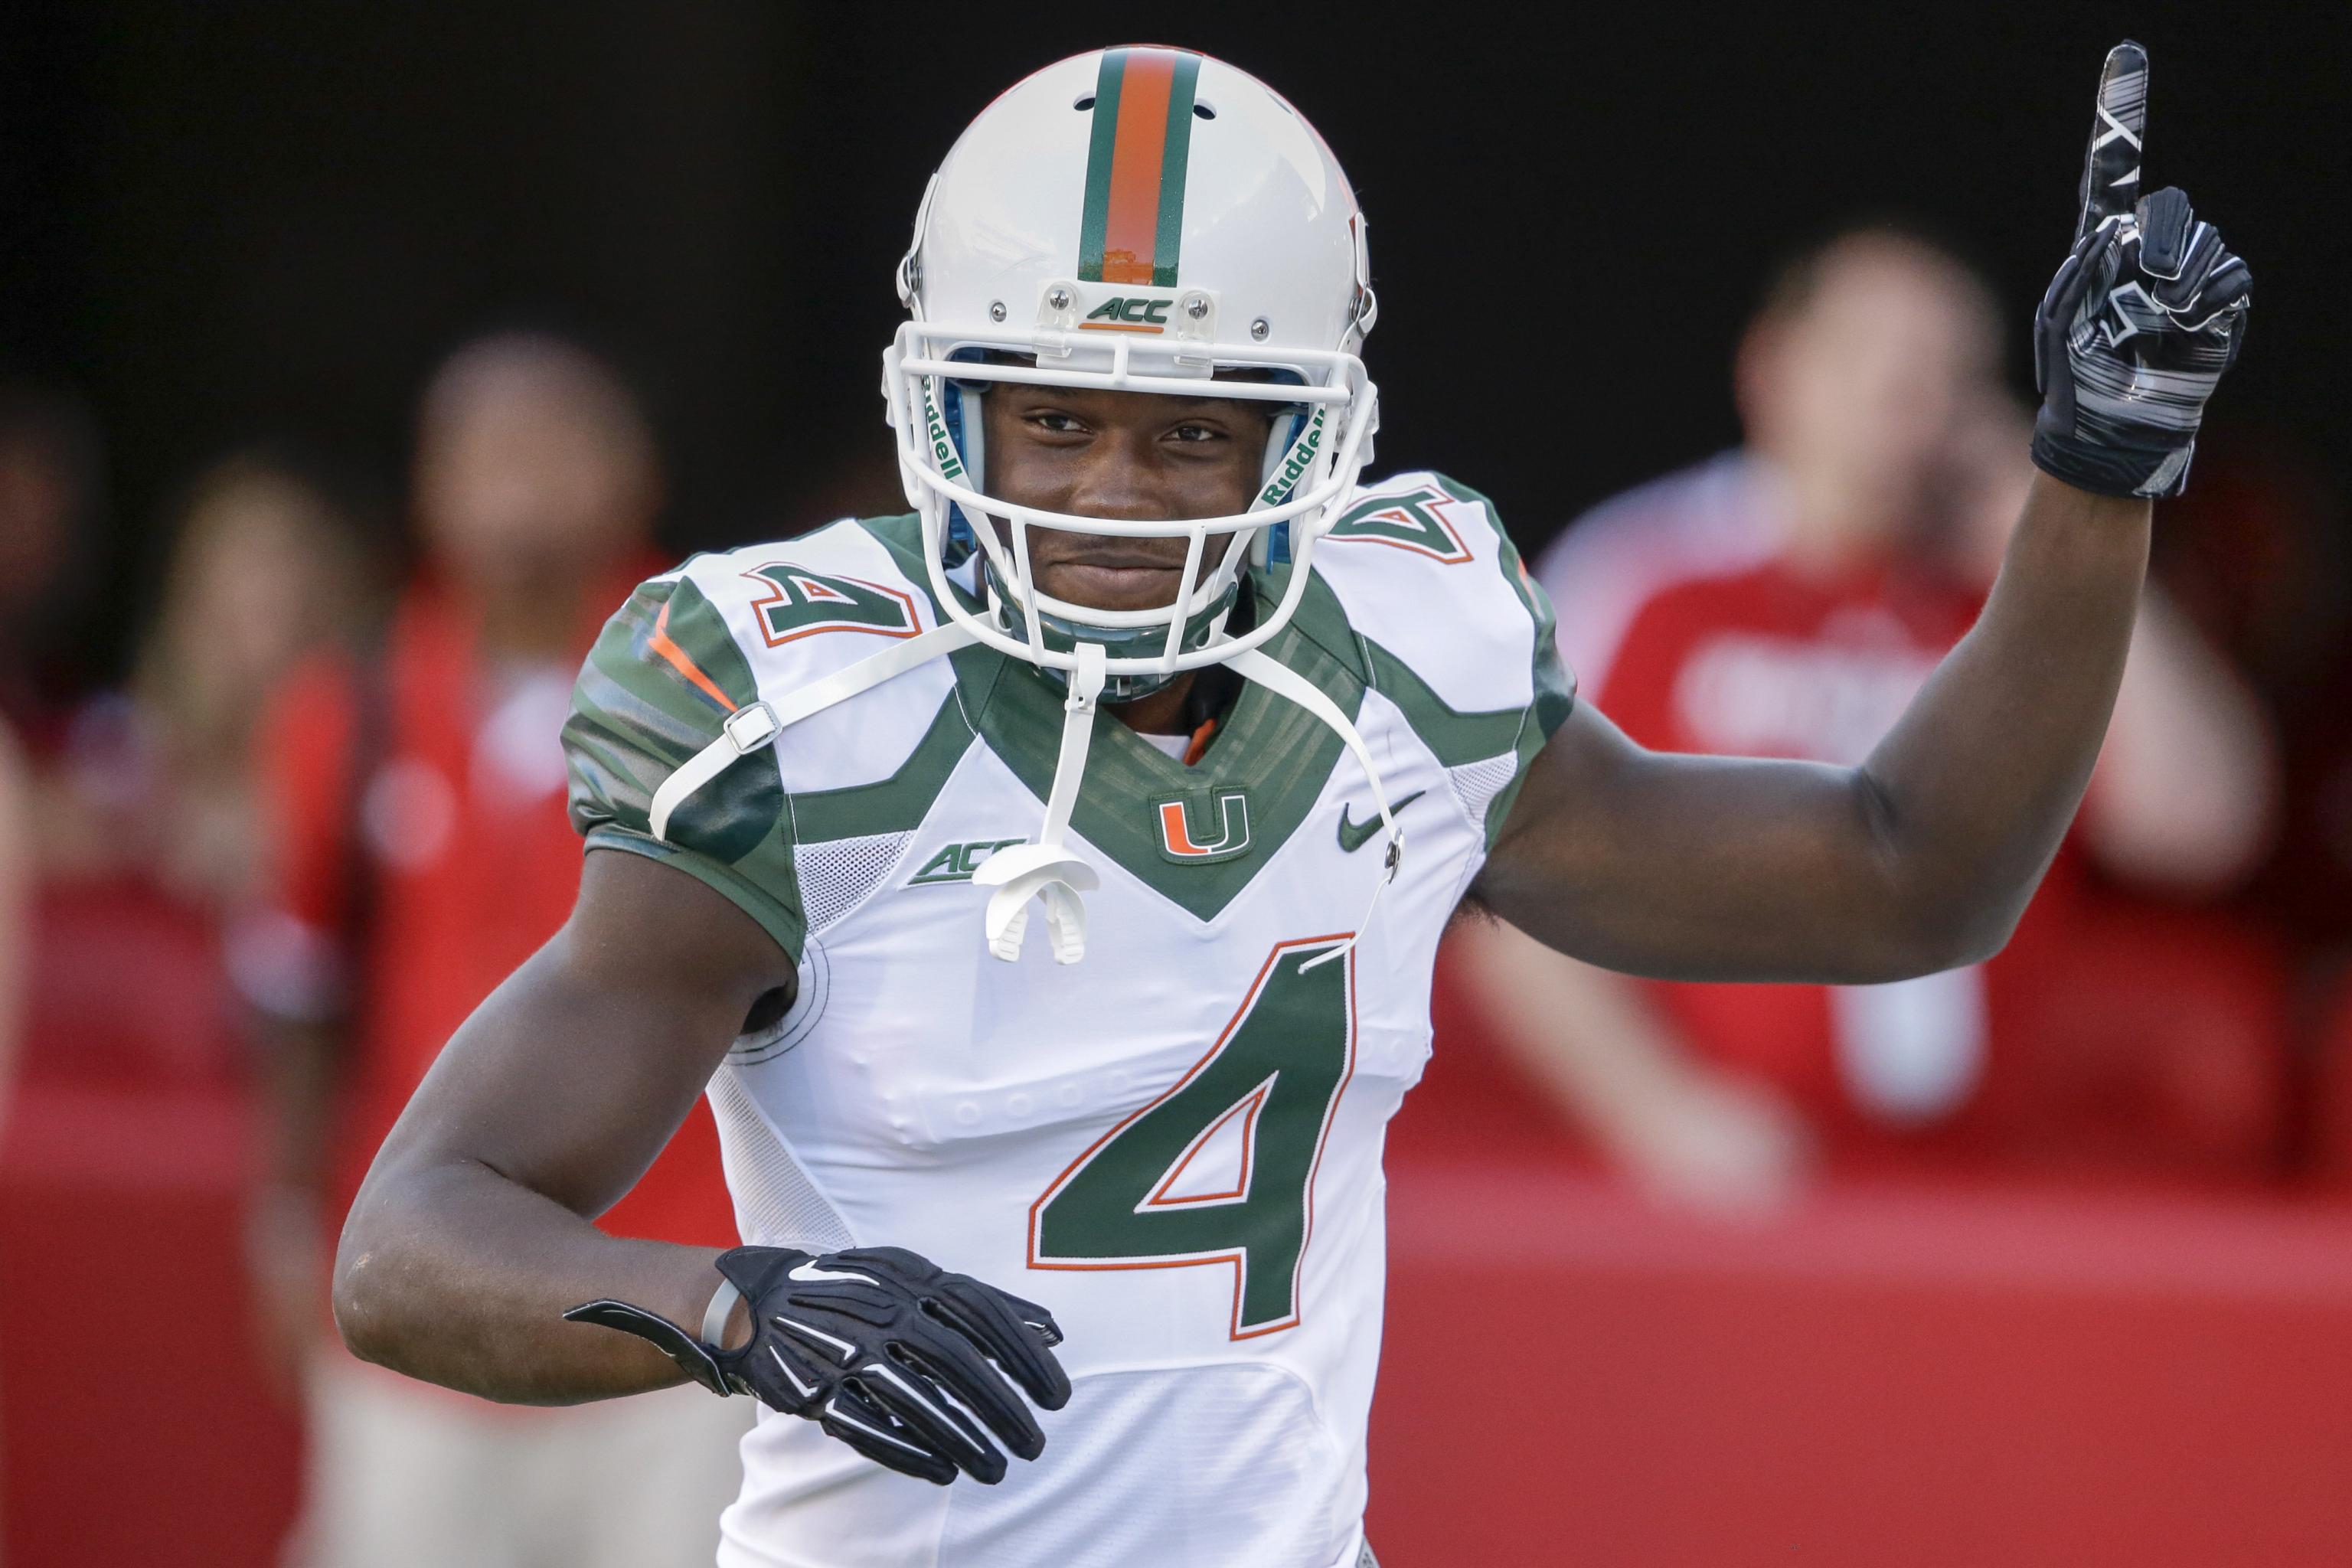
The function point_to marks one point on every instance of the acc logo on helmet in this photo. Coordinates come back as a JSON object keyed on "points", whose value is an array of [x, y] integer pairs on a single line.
{"points": [[1129, 314]]}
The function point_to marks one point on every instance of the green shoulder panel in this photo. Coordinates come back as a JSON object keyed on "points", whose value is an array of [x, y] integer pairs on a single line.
{"points": [[662, 677], [1456, 737], [1554, 682], [900, 803], [895, 805]]}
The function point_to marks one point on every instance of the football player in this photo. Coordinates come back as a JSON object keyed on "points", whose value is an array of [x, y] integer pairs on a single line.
{"points": [[1043, 885]]}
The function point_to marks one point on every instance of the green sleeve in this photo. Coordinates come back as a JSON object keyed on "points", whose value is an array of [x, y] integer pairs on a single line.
{"points": [[663, 676]]}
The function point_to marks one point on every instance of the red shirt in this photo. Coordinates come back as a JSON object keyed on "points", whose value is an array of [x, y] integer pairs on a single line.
{"points": [[1761, 661], [472, 864], [2113, 1030]]}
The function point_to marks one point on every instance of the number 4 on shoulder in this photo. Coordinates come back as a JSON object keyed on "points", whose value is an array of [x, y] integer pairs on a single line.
{"points": [[1269, 1086]]}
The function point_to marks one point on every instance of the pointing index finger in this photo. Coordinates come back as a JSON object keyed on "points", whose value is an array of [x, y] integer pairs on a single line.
{"points": [[2111, 167]]}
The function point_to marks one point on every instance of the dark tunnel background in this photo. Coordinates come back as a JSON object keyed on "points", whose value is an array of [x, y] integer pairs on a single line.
{"points": [[265, 221]]}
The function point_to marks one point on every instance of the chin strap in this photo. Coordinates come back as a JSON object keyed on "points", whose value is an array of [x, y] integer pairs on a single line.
{"points": [[1280, 679], [1045, 870]]}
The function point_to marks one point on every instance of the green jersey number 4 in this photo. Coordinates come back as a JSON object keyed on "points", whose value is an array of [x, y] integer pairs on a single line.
{"points": [[1221, 1168]]}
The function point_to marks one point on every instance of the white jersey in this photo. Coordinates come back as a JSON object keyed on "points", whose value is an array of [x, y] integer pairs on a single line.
{"points": [[1175, 1144]]}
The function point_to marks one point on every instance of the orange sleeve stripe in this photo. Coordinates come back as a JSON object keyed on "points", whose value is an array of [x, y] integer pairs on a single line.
{"points": [[662, 644]]}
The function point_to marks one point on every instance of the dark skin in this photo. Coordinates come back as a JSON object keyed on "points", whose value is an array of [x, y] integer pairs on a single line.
{"points": [[1088, 456], [473, 1232]]}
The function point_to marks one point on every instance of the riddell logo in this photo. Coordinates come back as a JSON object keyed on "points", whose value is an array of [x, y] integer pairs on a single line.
{"points": [[1301, 458], [943, 450], [1117, 314]]}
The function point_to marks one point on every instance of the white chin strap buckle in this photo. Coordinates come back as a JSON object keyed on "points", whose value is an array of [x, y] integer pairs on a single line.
{"points": [[1045, 870]]}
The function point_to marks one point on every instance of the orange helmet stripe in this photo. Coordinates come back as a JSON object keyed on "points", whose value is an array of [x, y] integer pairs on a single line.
{"points": [[1132, 228]]}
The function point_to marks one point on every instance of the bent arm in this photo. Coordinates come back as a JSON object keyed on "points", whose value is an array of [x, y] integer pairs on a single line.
{"points": [[1921, 859], [473, 1231]]}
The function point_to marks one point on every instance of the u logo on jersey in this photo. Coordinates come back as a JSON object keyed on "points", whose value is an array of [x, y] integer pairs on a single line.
{"points": [[1220, 833], [800, 603]]}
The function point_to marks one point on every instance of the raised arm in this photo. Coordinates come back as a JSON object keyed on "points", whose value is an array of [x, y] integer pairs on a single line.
{"points": [[1923, 856]]}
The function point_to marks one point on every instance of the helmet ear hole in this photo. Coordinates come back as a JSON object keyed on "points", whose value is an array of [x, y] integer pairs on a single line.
{"points": [[1085, 103], [1203, 110]]}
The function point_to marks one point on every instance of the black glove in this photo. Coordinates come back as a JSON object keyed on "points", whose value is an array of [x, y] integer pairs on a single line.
{"points": [[885, 1350], [2141, 321]]}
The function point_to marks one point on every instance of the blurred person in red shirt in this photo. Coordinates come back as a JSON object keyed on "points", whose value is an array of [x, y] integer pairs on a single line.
{"points": [[2266, 563], [145, 829], [424, 851], [1788, 600], [155, 780]]}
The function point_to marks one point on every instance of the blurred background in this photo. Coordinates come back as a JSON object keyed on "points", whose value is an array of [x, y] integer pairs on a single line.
{"points": [[354, 360]]}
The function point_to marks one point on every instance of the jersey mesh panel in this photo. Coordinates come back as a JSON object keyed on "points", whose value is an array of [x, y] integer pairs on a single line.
{"points": [[837, 877], [1475, 784], [776, 1202]]}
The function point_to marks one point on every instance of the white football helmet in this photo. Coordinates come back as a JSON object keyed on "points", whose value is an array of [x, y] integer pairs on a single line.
{"points": [[1133, 219]]}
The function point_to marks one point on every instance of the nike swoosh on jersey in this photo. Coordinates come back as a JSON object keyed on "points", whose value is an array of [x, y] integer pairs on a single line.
{"points": [[1354, 836]]}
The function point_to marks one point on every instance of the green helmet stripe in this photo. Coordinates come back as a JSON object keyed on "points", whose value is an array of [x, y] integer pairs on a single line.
{"points": [[1097, 220], [1175, 157], [1132, 227]]}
